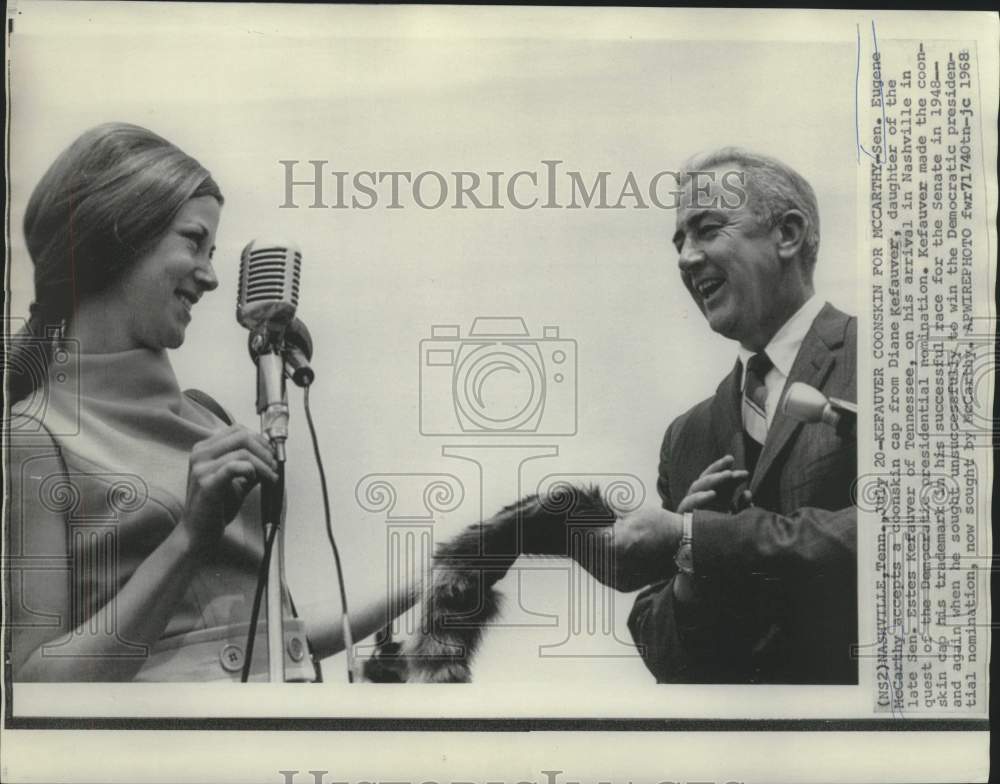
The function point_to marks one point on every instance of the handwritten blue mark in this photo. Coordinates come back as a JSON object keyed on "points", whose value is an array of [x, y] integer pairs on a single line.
{"points": [[881, 94], [857, 100]]}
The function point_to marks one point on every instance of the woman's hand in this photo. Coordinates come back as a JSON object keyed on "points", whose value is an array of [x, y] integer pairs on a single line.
{"points": [[703, 489], [222, 470]]}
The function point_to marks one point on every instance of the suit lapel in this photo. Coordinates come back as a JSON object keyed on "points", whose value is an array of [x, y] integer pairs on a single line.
{"points": [[812, 365], [727, 422], [727, 419]]}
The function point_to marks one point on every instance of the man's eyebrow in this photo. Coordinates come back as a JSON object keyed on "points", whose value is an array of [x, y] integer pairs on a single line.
{"points": [[709, 212], [693, 219]]}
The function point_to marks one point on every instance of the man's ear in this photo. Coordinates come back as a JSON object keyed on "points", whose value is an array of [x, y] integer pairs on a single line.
{"points": [[792, 227]]}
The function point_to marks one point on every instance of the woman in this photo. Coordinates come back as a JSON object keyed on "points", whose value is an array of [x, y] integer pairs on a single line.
{"points": [[135, 507]]}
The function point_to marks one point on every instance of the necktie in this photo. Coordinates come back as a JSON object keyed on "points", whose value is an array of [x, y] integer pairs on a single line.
{"points": [[755, 397]]}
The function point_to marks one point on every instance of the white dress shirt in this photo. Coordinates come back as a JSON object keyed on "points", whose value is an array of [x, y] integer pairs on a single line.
{"points": [[782, 350]]}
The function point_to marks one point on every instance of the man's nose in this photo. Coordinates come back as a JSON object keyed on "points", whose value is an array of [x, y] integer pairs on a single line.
{"points": [[690, 256], [204, 274]]}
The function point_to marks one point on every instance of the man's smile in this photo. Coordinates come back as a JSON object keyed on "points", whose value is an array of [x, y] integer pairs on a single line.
{"points": [[708, 286]]}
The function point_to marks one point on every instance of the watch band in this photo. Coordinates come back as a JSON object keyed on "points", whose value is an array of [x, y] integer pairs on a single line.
{"points": [[684, 559]]}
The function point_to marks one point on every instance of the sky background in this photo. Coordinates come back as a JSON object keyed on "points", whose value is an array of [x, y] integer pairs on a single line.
{"points": [[241, 91]]}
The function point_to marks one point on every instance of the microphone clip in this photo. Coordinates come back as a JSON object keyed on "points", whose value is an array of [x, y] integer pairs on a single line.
{"points": [[295, 346]]}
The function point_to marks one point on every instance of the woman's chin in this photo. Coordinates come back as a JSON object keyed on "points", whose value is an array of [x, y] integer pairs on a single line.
{"points": [[173, 340]]}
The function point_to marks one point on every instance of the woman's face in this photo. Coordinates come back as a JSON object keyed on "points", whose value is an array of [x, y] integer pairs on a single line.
{"points": [[160, 289]]}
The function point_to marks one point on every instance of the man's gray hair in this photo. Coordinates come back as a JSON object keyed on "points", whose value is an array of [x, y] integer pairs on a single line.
{"points": [[773, 188]]}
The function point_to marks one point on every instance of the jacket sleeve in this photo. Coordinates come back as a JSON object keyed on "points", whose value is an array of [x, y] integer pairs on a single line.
{"points": [[662, 477], [759, 542], [670, 637], [708, 639]]}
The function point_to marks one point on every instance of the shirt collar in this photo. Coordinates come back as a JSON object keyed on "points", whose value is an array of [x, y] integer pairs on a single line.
{"points": [[787, 341]]}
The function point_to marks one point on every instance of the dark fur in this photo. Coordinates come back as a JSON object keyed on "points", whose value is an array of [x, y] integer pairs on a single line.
{"points": [[461, 599]]}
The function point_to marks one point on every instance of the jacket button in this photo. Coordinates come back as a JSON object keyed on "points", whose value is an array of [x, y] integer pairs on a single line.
{"points": [[231, 657], [296, 650]]}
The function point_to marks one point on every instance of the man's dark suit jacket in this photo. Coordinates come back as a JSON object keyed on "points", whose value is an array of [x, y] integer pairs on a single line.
{"points": [[776, 582]]}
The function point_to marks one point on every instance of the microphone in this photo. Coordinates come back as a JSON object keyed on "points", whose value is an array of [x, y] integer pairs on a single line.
{"points": [[269, 285], [266, 303], [807, 404], [297, 353]]}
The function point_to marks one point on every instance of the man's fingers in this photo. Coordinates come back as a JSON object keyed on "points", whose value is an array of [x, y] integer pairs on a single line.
{"points": [[694, 501], [718, 465], [709, 481]]}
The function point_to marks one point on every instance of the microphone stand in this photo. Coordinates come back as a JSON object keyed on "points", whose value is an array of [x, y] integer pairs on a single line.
{"points": [[275, 359], [272, 513], [274, 422]]}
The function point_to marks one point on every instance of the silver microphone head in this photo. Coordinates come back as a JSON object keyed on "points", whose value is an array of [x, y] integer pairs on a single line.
{"points": [[804, 403], [269, 284]]}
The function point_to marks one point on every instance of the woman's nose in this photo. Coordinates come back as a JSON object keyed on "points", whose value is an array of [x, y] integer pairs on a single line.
{"points": [[205, 275]]}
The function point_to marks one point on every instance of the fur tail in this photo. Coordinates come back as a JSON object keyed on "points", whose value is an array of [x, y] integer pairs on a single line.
{"points": [[461, 599]]}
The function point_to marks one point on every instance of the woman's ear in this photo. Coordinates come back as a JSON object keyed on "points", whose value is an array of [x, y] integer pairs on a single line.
{"points": [[792, 227]]}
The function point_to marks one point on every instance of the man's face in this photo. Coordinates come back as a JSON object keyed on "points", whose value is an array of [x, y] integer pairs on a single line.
{"points": [[729, 262]]}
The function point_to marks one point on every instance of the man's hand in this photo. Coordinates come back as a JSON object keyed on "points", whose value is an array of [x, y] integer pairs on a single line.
{"points": [[638, 550], [705, 488]]}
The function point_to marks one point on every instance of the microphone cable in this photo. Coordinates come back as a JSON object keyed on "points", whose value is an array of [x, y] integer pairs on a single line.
{"points": [[345, 617]]}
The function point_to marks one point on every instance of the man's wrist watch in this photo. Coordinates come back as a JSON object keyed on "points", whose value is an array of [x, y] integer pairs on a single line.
{"points": [[684, 559]]}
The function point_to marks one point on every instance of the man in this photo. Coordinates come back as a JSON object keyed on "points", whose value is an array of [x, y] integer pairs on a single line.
{"points": [[758, 513]]}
